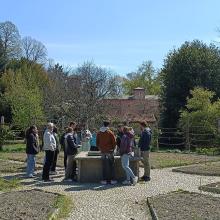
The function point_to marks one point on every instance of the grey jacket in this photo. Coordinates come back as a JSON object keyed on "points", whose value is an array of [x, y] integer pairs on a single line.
{"points": [[49, 141]]}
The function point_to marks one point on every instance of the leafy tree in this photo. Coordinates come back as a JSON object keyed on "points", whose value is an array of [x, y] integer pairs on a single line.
{"points": [[193, 64], [200, 117], [201, 110], [24, 98], [145, 77]]}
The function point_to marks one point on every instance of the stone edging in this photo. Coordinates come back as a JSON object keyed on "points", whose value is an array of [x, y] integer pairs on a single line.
{"points": [[152, 210]]}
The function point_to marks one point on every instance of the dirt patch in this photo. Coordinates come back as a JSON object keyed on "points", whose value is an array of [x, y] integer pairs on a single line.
{"points": [[11, 167], [209, 169], [187, 206], [30, 204], [213, 187]]}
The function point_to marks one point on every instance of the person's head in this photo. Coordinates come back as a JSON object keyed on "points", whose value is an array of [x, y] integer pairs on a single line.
{"points": [[126, 129], [50, 126], [143, 125], [31, 130], [72, 124], [55, 130], [106, 123], [120, 127], [65, 129], [94, 130], [69, 130]]}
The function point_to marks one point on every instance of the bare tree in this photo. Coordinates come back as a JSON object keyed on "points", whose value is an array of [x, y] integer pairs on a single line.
{"points": [[10, 39], [34, 50], [79, 96]]}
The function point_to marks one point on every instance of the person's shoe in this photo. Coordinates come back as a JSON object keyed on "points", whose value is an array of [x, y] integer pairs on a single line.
{"points": [[53, 172], [68, 180], [104, 182], [126, 182], [49, 180], [30, 176], [134, 181], [145, 178], [113, 182]]}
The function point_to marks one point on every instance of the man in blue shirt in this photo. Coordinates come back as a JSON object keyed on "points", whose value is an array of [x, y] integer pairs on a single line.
{"points": [[144, 145]]}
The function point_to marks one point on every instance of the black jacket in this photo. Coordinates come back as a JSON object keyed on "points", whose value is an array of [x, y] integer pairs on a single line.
{"points": [[118, 138], [70, 145], [145, 139], [32, 144]]}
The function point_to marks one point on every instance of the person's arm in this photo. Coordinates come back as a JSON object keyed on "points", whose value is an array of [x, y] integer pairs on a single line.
{"points": [[140, 142], [113, 141], [97, 141]]}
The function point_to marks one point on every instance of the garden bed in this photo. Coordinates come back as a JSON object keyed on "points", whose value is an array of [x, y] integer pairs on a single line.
{"points": [[209, 169], [213, 187], [187, 206], [30, 204], [7, 166]]}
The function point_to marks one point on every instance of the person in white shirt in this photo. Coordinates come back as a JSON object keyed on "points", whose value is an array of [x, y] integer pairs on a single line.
{"points": [[49, 147]]}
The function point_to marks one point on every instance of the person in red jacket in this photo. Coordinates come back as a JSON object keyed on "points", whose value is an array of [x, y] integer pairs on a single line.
{"points": [[106, 143]]}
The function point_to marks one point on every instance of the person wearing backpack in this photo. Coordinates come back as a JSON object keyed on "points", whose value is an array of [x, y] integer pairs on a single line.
{"points": [[71, 151], [144, 145], [125, 151]]}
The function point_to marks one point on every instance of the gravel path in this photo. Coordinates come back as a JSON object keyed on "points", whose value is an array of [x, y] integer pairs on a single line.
{"points": [[93, 201]]}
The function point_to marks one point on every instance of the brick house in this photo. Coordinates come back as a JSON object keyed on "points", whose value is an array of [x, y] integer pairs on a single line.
{"points": [[134, 108]]}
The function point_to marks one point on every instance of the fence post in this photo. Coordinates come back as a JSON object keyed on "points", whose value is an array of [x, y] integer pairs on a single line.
{"points": [[188, 147]]}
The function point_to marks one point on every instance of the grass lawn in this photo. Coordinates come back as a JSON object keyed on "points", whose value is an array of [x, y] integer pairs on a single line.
{"points": [[162, 160], [158, 159], [7, 185], [64, 204]]}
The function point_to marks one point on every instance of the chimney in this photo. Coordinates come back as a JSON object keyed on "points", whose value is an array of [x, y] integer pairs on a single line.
{"points": [[139, 93]]}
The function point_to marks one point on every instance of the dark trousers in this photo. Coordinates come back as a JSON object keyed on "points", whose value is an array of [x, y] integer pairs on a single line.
{"points": [[65, 160], [47, 164], [54, 163], [108, 169], [94, 148]]}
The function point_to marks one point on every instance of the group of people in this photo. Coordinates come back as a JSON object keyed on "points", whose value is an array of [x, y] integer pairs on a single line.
{"points": [[104, 141]]}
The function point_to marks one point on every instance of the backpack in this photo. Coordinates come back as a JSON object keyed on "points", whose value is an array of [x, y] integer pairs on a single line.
{"points": [[125, 146]]}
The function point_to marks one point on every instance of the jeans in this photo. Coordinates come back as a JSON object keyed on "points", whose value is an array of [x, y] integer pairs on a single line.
{"points": [[108, 170], [54, 163], [31, 161], [145, 155], [125, 165], [47, 164]]}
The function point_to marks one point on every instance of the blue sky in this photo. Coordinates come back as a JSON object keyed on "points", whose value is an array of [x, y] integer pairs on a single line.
{"points": [[117, 34]]}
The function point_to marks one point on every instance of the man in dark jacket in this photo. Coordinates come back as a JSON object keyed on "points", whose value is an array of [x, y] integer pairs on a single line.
{"points": [[119, 135], [144, 145], [71, 151]]}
